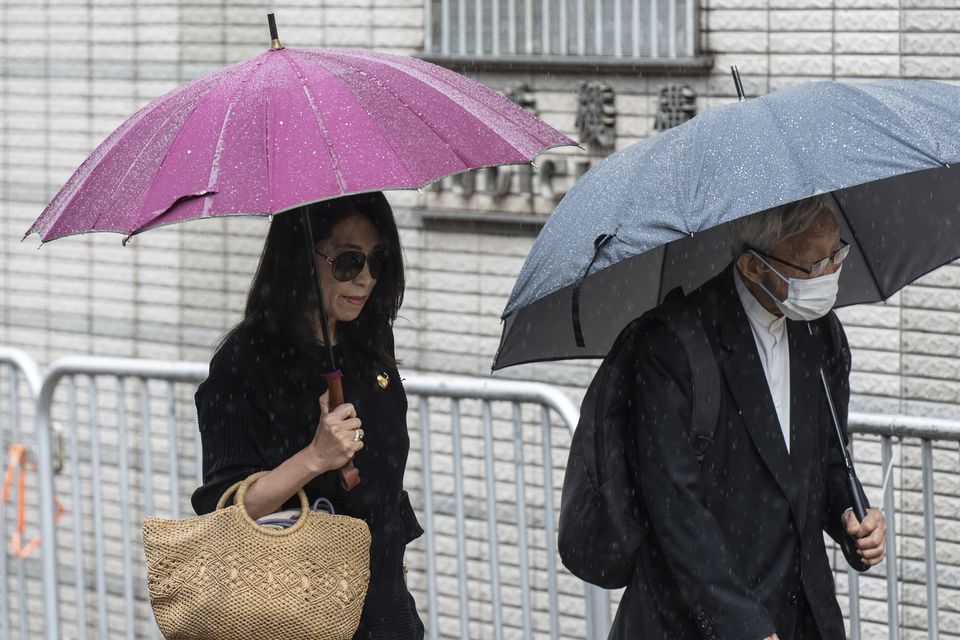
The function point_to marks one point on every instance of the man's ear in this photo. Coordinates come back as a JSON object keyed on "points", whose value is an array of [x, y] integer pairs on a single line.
{"points": [[750, 268]]}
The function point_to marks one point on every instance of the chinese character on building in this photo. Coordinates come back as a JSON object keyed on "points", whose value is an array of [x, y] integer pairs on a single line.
{"points": [[677, 104], [522, 94], [596, 116]]}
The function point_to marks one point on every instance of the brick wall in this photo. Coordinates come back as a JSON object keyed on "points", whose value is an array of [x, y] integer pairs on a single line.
{"points": [[72, 71]]}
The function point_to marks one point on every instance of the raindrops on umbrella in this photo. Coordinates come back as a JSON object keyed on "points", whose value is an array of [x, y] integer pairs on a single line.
{"points": [[886, 152]]}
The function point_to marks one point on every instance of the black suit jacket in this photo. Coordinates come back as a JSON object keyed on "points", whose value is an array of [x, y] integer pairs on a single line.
{"points": [[735, 550]]}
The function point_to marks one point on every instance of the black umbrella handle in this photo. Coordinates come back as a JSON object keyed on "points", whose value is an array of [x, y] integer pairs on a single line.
{"points": [[860, 505], [857, 496]]}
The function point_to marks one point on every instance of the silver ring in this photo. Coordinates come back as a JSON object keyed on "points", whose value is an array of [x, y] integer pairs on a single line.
{"points": [[356, 436]]}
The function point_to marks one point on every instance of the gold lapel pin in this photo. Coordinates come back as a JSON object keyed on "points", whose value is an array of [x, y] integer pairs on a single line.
{"points": [[383, 380]]}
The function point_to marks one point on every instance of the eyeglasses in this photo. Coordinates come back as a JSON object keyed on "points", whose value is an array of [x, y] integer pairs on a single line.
{"points": [[820, 266], [349, 264]]}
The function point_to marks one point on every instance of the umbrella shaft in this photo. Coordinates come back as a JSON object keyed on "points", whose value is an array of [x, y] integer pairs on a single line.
{"points": [[318, 290], [857, 496], [349, 476]]}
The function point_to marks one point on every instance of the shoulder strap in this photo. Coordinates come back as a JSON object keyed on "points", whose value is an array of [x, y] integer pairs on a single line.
{"points": [[682, 319]]}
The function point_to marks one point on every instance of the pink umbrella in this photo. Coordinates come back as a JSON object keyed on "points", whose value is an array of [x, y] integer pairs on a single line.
{"points": [[286, 128]]}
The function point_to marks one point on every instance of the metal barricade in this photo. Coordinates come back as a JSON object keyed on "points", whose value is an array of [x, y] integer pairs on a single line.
{"points": [[487, 456], [131, 448], [20, 381], [877, 439], [122, 417], [503, 431]]}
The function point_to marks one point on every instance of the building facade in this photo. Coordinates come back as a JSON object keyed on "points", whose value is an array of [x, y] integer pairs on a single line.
{"points": [[606, 72]]}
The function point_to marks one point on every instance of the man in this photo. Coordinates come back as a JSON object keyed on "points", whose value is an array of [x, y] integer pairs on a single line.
{"points": [[736, 547]]}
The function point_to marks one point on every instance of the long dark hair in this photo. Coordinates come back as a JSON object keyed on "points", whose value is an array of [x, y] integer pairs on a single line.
{"points": [[282, 298]]}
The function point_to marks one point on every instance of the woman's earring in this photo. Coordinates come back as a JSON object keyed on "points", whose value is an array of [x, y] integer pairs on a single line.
{"points": [[383, 380]]}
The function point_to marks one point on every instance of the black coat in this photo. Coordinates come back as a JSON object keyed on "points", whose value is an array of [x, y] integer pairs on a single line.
{"points": [[736, 547], [259, 406]]}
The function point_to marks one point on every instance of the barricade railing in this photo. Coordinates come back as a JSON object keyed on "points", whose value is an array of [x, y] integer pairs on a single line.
{"points": [[909, 435], [20, 381], [513, 395], [95, 444], [484, 462], [131, 448]]}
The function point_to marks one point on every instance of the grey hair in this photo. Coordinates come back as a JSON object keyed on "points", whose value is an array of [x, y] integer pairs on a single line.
{"points": [[764, 229]]}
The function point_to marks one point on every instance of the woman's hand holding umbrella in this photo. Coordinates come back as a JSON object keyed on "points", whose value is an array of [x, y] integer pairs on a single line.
{"points": [[338, 437]]}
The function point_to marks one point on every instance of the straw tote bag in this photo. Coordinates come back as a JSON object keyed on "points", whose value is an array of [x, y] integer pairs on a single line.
{"points": [[222, 576]]}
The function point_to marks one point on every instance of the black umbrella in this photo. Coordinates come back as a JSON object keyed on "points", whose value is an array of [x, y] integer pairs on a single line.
{"points": [[650, 217]]}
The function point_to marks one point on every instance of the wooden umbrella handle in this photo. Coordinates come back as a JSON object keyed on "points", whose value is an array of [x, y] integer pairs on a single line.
{"points": [[349, 475]]}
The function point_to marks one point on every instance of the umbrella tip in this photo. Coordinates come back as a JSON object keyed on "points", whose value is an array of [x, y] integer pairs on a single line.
{"points": [[736, 81], [274, 38], [126, 239]]}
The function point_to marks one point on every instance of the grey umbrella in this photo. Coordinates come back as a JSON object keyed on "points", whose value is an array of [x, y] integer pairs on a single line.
{"points": [[649, 217]]}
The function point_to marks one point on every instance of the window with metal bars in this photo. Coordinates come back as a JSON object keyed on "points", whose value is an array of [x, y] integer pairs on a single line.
{"points": [[546, 30]]}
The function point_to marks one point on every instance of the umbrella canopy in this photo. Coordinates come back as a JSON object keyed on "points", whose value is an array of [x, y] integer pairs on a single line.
{"points": [[286, 128], [648, 218]]}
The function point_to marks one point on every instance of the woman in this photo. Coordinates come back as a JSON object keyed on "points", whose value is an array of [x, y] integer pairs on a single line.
{"points": [[263, 406]]}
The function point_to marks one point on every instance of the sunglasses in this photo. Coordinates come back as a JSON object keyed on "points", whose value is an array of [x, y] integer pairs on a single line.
{"points": [[349, 264], [820, 266]]}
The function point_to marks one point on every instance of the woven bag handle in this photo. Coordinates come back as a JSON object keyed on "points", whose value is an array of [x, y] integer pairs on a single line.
{"points": [[240, 488]]}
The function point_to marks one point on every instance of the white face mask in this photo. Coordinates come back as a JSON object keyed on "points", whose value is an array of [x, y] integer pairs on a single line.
{"points": [[808, 299]]}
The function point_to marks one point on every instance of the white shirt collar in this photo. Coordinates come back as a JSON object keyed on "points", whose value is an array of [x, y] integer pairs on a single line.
{"points": [[760, 318]]}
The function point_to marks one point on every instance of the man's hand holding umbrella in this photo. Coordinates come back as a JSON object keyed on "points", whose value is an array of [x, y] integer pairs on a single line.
{"points": [[870, 535]]}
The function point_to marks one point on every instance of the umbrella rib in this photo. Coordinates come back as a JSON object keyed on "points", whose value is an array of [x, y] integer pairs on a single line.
{"points": [[873, 275], [694, 185], [153, 137], [420, 117], [663, 264], [102, 151], [316, 116], [396, 152], [904, 125], [126, 173], [214, 164]]}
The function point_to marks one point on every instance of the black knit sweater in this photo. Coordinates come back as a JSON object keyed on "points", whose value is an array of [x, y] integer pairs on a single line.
{"points": [[259, 406]]}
